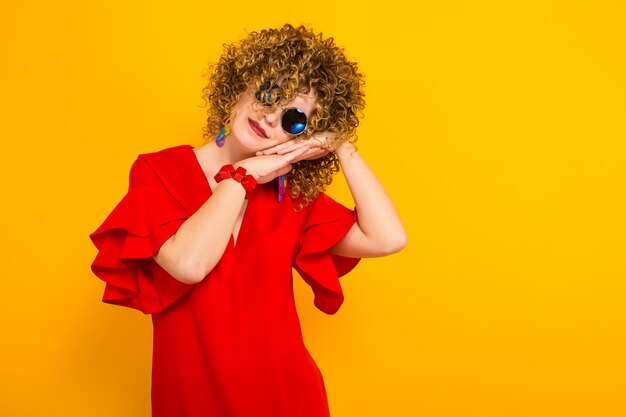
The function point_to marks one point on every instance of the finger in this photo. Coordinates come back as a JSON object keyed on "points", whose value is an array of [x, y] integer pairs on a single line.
{"points": [[317, 142], [276, 148], [292, 148], [294, 155], [278, 162], [269, 151], [289, 146], [314, 154]]}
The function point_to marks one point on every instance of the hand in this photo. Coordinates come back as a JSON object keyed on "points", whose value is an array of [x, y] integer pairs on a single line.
{"points": [[316, 146], [265, 168]]}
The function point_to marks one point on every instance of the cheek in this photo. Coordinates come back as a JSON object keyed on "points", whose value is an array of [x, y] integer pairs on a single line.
{"points": [[283, 137], [244, 106]]}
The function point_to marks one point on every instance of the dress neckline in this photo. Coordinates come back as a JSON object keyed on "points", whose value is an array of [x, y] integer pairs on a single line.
{"points": [[231, 242], [200, 170]]}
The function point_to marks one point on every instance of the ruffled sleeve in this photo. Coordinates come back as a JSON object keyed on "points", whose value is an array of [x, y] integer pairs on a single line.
{"points": [[130, 236], [327, 223]]}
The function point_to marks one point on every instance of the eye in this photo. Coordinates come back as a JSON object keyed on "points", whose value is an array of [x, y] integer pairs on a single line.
{"points": [[268, 96], [294, 121]]}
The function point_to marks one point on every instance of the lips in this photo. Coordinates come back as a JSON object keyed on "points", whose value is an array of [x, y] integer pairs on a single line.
{"points": [[257, 129]]}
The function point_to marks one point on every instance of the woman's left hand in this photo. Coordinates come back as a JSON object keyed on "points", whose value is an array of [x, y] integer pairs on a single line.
{"points": [[316, 144]]}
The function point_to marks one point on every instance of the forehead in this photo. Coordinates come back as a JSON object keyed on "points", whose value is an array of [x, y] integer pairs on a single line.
{"points": [[305, 102], [311, 95]]}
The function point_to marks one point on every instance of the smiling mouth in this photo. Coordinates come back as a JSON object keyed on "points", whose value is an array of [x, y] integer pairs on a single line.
{"points": [[257, 129]]}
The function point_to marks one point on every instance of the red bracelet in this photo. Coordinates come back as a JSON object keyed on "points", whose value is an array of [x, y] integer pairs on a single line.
{"points": [[246, 180]]}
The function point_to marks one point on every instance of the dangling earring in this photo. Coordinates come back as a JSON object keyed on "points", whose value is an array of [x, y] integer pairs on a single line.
{"points": [[282, 183], [224, 131]]}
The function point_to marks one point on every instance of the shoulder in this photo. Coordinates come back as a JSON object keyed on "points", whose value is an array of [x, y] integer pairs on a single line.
{"points": [[325, 209], [172, 155], [322, 201], [155, 166]]}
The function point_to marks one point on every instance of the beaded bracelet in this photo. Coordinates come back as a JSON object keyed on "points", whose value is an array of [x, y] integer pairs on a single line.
{"points": [[246, 180]]}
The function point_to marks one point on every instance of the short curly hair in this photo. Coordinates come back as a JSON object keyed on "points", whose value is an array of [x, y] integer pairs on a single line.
{"points": [[309, 62]]}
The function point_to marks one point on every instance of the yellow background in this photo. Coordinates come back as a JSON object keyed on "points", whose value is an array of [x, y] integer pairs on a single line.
{"points": [[497, 127]]}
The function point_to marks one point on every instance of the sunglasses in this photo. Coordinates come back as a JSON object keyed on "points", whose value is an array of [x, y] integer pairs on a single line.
{"points": [[293, 120]]}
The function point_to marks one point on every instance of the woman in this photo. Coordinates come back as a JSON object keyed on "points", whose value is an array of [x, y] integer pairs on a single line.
{"points": [[206, 238]]}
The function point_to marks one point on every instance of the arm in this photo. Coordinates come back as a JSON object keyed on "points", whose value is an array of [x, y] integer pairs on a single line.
{"points": [[198, 245], [378, 231]]}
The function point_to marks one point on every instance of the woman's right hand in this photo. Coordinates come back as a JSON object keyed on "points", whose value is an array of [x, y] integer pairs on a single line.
{"points": [[265, 168]]}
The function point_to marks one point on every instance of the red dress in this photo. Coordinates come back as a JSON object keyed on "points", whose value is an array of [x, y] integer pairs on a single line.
{"points": [[231, 345]]}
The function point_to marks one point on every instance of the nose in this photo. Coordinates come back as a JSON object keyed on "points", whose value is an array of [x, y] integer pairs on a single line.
{"points": [[272, 118]]}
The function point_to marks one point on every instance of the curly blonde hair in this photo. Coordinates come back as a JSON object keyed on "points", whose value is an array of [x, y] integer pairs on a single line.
{"points": [[308, 61]]}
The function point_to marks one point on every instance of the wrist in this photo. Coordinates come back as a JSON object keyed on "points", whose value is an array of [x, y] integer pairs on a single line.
{"points": [[248, 166], [346, 149], [240, 175]]}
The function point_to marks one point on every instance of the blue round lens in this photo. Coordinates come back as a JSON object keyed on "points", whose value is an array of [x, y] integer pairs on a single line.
{"points": [[294, 121], [297, 128]]}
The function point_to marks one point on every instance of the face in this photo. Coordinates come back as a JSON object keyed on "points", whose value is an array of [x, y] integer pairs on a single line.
{"points": [[254, 128]]}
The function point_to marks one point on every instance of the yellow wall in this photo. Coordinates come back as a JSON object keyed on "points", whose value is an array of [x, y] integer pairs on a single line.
{"points": [[498, 128]]}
